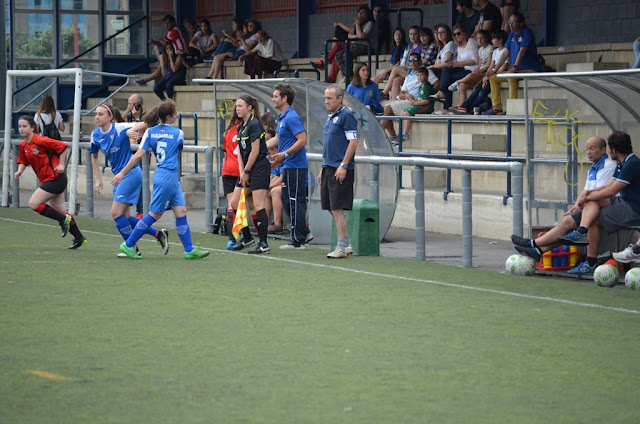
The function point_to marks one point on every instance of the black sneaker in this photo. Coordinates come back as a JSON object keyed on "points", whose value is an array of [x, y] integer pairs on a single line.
{"points": [[78, 243], [64, 225], [141, 82], [163, 240], [520, 241], [531, 252], [243, 243], [262, 248]]}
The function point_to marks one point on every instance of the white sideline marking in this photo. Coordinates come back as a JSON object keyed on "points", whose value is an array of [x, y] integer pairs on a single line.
{"points": [[375, 274]]}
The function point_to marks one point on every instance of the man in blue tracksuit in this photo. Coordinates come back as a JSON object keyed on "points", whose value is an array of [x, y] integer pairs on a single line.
{"points": [[292, 139]]}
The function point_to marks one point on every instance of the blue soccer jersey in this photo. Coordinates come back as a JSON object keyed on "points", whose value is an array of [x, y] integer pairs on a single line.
{"points": [[338, 130], [166, 142], [628, 172], [289, 125], [114, 143]]}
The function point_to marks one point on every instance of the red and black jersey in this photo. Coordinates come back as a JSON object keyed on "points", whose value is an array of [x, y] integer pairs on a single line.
{"points": [[43, 155]]}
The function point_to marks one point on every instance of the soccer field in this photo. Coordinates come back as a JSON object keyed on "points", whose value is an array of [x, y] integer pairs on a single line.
{"points": [[292, 337]]}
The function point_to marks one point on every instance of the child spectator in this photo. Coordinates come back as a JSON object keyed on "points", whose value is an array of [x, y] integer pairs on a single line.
{"points": [[422, 104], [429, 51], [480, 93], [173, 71], [365, 90]]}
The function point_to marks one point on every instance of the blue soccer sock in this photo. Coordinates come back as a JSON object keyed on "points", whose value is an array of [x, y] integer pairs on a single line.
{"points": [[184, 232], [124, 227], [141, 228], [152, 231]]}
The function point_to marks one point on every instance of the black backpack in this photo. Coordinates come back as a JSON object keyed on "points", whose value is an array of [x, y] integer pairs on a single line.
{"points": [[50, 130]]}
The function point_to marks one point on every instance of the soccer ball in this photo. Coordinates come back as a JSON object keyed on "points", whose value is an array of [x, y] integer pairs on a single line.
{"points": [[632, 279], [606, 275], [520, 265]]}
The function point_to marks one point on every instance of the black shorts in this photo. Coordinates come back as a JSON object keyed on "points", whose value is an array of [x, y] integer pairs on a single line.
{"points": [[56, 186], [229, 183], [335, 195], [260, 175]]}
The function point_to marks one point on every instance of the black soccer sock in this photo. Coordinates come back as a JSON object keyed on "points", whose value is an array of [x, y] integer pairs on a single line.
{"points": [[49, 212], [582, 230], [263, 224], [74, 230], [228, 223], [592, 261], [246, 233]]}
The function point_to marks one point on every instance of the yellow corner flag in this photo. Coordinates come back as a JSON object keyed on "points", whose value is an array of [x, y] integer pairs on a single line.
{"points": [[240, 220]]}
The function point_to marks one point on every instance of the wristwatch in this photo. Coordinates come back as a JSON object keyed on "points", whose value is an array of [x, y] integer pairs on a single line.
{"points": [[344, 165]]}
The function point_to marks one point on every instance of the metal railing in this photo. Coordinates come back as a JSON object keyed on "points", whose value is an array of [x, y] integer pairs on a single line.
{"points": [[296, 72], [571, 159], [195, 133], [347, 56]]}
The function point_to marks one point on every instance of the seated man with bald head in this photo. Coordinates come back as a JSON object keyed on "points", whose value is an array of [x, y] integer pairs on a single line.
{"points": [[599, 175]]}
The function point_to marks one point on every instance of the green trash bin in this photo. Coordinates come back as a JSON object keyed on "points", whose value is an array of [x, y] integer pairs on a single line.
{"points": [[363, 226]]}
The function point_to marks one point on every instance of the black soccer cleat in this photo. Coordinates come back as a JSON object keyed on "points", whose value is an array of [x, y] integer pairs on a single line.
{"points": [[262, 248], [163, 240], [78, 243], [64, 225], [243, 243], [520, 241]]}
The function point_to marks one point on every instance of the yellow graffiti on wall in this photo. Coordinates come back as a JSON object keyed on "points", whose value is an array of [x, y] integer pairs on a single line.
{"points": [[557, 133]]}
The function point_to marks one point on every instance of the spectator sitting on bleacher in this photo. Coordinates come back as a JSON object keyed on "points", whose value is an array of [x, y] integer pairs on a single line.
{"points": [[362, 28], [422, 105], [447, 49], [173, 71], [636, 52], [365, 90], [399, 72], [490, 17], [480, 95], [174, 37], [466, 62], [381, 21], [429, 51], [508, 8], [524, 58], [484, 56], [190, 25], [266, 56], [467, 15], [243, 39], [203, 43], [599, 176], [410, 91], [399, 44]]}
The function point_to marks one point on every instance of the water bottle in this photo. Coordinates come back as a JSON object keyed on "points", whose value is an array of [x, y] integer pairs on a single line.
{"points": [[573, 257], [564, 259], [555, 260]]}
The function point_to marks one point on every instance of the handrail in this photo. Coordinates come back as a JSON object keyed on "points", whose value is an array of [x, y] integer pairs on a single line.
{"points": [[109, 38], [347, 56], [398, 12], [296, 72], [571, 193]]}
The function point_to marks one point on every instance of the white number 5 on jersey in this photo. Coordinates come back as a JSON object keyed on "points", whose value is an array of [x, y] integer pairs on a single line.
{"points": [[160, 153]]}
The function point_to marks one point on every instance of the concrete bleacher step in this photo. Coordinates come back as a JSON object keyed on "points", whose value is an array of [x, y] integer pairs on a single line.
{"points": [[544, 106], [479, 142], [596, 66]]}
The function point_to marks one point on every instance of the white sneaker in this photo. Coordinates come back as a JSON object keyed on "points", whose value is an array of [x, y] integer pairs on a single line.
{"points": [[292, 246], [454, 86], [627, 256], [337, 254], [349, 250]]}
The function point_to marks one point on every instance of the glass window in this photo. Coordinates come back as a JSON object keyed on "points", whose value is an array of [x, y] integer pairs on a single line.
{"points": [[125, 5], [33, 37], [84, 5], [33, 4], [128, 43], [79, 32]]}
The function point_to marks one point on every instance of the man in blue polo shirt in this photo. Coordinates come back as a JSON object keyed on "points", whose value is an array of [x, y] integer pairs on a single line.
{"points": [[601, 208], [340, 139], [291, 139]]}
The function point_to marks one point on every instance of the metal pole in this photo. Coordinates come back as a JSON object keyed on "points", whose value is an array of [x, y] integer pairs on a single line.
{"points": [[374, 188], [420, 215], [467, 220], [6, 164], [517, 209], [75, 142], [16, 182], [530, 151], [208, 188], [89, 178]]}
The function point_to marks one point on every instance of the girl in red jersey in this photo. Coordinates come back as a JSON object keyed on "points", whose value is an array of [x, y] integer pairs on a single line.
{"points": [[230, 170], [46, 156]]}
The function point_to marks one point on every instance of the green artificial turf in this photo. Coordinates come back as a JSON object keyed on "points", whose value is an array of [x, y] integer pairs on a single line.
{"points": [[292, 337]]}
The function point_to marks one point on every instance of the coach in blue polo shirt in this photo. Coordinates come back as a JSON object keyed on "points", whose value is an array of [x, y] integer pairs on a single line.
{"points": [[340, 139], [291, 139]]}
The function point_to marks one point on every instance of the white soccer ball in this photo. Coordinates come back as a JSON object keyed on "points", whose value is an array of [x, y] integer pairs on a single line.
{"points": [[632, 279], [606, 275], [520, 265]]}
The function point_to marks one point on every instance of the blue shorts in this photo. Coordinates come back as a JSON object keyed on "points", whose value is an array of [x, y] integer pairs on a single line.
{"points": [[167, 191], [128, 191]]}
